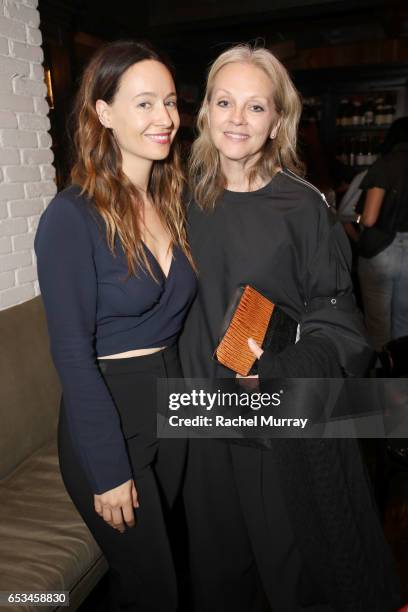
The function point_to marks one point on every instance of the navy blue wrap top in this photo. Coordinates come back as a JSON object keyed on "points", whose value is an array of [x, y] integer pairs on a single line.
{"points": [[95, 309]]}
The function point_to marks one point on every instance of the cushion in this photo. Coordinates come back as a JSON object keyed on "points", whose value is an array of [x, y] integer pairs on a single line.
{"points": [[29, 390], [44, 543]]}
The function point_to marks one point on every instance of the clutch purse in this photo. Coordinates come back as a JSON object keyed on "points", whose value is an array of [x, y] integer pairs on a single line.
{"points": [[251, 315]]}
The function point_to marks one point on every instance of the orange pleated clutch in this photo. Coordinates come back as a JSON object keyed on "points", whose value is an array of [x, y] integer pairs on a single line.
{"points": [[248, 316]]}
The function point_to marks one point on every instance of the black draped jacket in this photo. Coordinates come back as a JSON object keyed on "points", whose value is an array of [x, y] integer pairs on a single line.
{"points": [[284, 240]]}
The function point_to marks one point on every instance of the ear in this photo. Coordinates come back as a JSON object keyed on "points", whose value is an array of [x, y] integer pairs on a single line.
{"points": [[103, 111], [275, 129]]}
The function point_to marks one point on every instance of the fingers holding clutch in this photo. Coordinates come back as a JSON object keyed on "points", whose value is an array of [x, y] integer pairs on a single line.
{"points": [[255, 348]]}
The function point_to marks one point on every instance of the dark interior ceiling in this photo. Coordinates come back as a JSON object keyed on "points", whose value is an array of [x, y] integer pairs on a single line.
{"points": [[201, 28]]}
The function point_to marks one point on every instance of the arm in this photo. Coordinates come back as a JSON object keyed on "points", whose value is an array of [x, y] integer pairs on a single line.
{"points": [[68, 284], [332, 339], [379, 180], [372, 206]]}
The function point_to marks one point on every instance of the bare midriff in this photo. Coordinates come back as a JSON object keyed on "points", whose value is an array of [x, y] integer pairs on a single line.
{"points": [[135, 353]]}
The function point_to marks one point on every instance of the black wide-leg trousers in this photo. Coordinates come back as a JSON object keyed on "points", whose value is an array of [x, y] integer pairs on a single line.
{"points": [[141, 561], [243, 553], [223, 569]]}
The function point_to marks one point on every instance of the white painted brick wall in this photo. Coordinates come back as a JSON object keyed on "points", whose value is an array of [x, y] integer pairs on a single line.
{"points": [[26, 170]]}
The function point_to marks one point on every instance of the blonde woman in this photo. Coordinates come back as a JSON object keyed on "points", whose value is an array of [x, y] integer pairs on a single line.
{"points": [[116, 279], [292, 527]]}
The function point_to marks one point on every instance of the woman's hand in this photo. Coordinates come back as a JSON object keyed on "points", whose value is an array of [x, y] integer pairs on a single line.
{"points": [[245, 380], [255, 348], [257, 351], [116, 505]]}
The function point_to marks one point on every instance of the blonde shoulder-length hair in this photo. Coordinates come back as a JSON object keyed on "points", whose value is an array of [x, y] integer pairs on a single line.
{"points": [[207, 181]]}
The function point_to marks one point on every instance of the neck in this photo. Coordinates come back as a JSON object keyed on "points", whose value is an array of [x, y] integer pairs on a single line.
{"points": [[138, 172], [237, 173]]}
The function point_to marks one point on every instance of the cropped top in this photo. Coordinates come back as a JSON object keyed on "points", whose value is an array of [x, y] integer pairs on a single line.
{"points": [[94, 308]]}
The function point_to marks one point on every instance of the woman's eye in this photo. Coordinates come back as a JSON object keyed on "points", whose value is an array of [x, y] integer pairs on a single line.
{"points": [[257, 108], [172, 103], [144, 105], [222, 103]]}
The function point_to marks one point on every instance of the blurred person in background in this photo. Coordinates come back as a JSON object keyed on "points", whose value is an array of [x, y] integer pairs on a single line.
{"points": [[383, 276]]}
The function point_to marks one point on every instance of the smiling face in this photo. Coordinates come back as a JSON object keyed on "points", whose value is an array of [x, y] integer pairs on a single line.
{"points": [[241, 112], [143, 114]]}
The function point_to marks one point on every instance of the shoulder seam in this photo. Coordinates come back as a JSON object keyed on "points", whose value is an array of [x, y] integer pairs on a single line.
{"points": [[311, 187]]}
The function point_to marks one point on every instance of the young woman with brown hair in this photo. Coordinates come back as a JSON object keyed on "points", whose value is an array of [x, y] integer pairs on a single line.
{"points": [[116, 278]]}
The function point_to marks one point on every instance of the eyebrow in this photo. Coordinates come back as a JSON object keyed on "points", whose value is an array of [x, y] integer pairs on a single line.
{"points": [[152, 93], [220, 89]]}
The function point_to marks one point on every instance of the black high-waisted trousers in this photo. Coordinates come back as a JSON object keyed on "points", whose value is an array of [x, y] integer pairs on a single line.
{"points": [[143, 576]]}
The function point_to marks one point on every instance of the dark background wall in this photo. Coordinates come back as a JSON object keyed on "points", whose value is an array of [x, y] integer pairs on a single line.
{"points": [[332, 49]]}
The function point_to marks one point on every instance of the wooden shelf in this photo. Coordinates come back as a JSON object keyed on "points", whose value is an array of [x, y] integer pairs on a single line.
{"points": [[362, 128]]}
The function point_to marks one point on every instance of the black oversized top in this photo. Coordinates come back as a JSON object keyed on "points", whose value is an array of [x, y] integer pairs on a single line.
{"points": [[94, 309], [282, 239]]}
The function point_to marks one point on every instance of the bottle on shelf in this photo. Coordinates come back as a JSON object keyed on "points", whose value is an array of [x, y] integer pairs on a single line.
{"points": [[393, 107], [341, 112], [348, 120], [379, 111], [359, 159], [341, 152], [363, 112], [369, 112], [366, 118], [357, 116], [369, 153], [311, 110], [389, 110], [352, 152]]}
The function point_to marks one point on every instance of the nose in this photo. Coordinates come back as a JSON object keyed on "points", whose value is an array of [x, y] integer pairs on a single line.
{"points": [[238, 115], [163, 116]]}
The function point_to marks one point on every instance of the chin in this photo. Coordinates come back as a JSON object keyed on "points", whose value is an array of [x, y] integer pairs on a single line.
{"points": [[159, 153], [236, 155], [163, 155]]}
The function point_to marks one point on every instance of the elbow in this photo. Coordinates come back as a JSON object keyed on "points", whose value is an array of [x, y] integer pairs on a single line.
{"points": [[368, 220]]}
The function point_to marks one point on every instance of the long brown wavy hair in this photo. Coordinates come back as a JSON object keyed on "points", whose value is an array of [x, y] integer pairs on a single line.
{"points": [[206, 178], [98, 160]]}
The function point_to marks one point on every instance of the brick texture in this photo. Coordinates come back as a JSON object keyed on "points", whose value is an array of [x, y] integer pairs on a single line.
{"points": [[26, 170]]}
